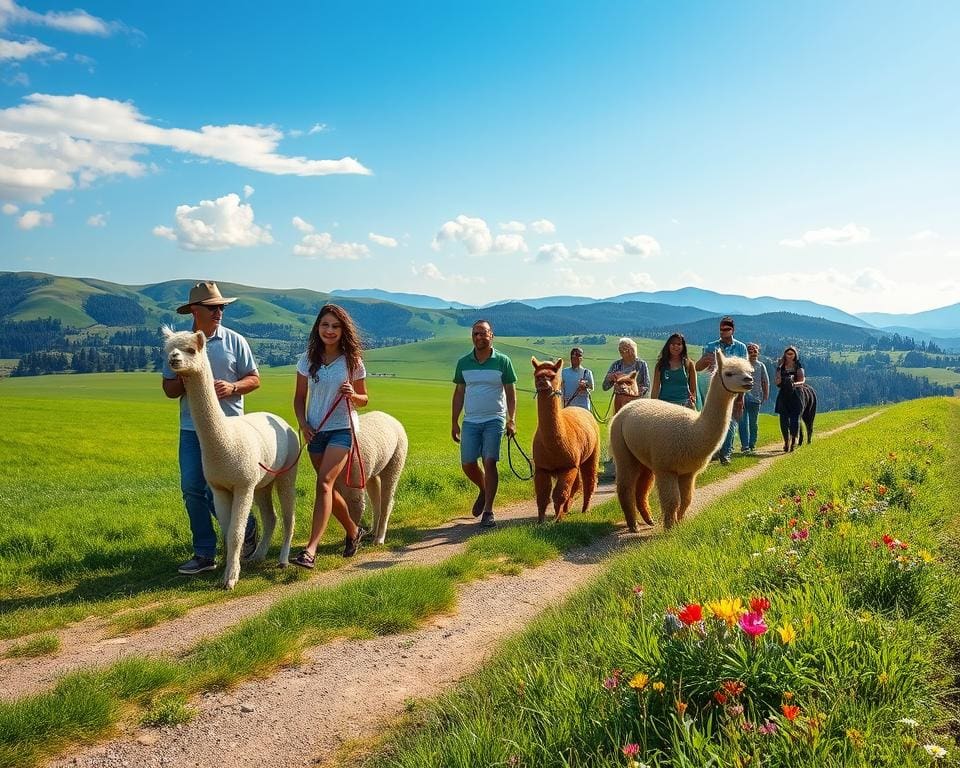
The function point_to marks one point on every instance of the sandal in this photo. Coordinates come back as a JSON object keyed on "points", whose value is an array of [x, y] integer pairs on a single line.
{"points": [[305, 559]]}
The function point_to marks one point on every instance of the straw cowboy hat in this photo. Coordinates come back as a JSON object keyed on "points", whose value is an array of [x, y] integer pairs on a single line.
{"points": [[206, 293]]}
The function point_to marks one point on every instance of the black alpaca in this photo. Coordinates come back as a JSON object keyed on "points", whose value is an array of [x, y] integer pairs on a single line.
{"points": [[795, 403]]}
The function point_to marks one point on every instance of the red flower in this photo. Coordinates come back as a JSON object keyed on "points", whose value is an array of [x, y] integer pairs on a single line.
{"points": [[720, 697], [734, 687], [790, 711], [690, 614], [759, 604]]}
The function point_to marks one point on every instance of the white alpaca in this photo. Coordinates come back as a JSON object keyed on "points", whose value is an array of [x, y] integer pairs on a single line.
{"points": [[383, 448], [655, 438], [232, 450]]}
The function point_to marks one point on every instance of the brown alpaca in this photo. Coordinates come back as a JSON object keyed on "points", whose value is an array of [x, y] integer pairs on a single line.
{"points": [[566, 445], [625, 390]]}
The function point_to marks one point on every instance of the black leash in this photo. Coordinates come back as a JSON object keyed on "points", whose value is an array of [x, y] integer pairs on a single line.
{"points": [[511, 441]]}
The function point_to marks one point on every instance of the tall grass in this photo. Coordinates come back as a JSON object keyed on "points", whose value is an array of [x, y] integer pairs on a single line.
{"points": [[860, 675]]}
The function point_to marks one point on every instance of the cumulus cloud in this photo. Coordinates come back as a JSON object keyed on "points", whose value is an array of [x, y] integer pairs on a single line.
{"points": [[513, 226], [472, 232], [302, 225], [641, 281], [14, 50], [34, 219], [321, 245], [602, 255], [574, 280], [543, 227], [51, 143], [641, 245], [317, 128], [9, 209], [512, 243], [77, 21], [847, 235], [384, 240], [431, 271], [215, 225], [97, 220], [247, 190], [552, 253]]}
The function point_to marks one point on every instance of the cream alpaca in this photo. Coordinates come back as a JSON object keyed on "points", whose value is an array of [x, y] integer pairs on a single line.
{"points": [[655, 438], [232, 450], [383, 448], [566, 445]]}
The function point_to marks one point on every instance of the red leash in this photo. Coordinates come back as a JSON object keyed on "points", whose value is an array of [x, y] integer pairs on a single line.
{"points": [[355, 449]]}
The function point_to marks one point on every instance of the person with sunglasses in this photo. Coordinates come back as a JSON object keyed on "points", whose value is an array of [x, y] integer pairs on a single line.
{"points": [[235, 375], [730, 347]]}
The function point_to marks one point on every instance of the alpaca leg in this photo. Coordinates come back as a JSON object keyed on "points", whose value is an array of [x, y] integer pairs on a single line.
{"points": [[286, 486], [644, 484], [233, 536], [375, 492], [389, 479], [668, 490], [563, 492], [541, 485], [263, 498], [685, 484], [588, 477]]}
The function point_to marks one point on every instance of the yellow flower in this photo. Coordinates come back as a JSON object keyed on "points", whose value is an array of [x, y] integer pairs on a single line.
{"points": [[659, 686], [787, 633], [883, 678], [843, 530], [925, 556], [727, 610], [639, 681]]}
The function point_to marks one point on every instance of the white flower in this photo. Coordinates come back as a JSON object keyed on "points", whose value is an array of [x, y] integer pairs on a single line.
{"points": [[935, 751], [908, 721]]}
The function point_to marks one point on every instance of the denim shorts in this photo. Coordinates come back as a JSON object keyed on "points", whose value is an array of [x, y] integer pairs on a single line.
{"points": [[342, 438], [480, 440]]}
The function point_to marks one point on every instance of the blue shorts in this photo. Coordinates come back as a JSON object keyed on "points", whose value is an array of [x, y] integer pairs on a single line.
{"points": [[480, 440], [339, 437]]}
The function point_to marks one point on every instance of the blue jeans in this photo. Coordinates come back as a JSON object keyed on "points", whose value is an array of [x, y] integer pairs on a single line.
{"points": [[727, 448], [197, 496], [748, 425]]}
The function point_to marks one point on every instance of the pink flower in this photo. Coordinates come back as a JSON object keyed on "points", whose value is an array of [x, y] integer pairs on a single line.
{"points": [[802, 535], [768, 728], [631, 750], [752, 623], [638, 590]]}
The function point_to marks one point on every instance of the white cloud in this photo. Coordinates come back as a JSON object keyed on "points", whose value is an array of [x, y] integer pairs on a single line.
{"points": [[317, 128], [97, 220], [431, 271], [513, 226], [77, 21], [925, 235], [384, 240], [10, 209], [14, 50], [472, 232], [640, 281], [847, 235], [552, 252], [302, 225], [51, 143], [512, 243], [543, 227], [323, 246], [215, 225], [641, 245], [247, 191], [33, 219], [597, 255], [574, 280]]}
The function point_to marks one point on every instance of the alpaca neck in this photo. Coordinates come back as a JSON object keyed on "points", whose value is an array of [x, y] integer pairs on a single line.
{"points": [[205, 410], [714, 419], [548, 412]]}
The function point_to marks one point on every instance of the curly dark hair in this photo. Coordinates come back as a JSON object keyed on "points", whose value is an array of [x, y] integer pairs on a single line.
{"points": [[664, 356], [350, 346]]}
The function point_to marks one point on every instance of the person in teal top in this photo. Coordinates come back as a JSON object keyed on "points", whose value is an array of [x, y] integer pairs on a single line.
{"points": [[486, 394], [674, 375], [708, 360]]}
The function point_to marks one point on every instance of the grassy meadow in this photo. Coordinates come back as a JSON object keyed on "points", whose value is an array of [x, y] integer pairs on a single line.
{"points": [[91, 462], [809, 618]]}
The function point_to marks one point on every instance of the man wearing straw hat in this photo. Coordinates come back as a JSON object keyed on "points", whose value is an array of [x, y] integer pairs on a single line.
{"points": [[235, 374]]}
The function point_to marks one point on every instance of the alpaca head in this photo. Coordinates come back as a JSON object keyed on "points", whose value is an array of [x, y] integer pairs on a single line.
{"points": [[626, 384], [185, 351], [734, 373], [546, 375]]}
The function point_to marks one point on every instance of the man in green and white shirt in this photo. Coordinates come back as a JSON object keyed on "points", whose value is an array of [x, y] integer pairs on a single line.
{"points": [[486, 394]]}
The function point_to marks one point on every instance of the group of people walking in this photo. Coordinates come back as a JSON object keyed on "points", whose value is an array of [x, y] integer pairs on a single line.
{"points": [[331, 384]]}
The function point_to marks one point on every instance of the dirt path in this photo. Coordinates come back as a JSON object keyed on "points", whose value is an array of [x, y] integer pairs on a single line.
{"points": [[344, 690]]}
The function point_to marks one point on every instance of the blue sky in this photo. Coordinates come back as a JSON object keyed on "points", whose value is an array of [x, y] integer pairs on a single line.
{"points": [[487, 151]]}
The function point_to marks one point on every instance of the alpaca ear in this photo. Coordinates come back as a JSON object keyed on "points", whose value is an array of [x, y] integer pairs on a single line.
{"points": [[719, 356], [633, 375], [559, 364], [201, 338], [534, 362], [166, 331]]}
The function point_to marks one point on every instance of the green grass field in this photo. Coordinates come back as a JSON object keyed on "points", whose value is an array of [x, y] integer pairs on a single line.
{"points": [[935, 375]]}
